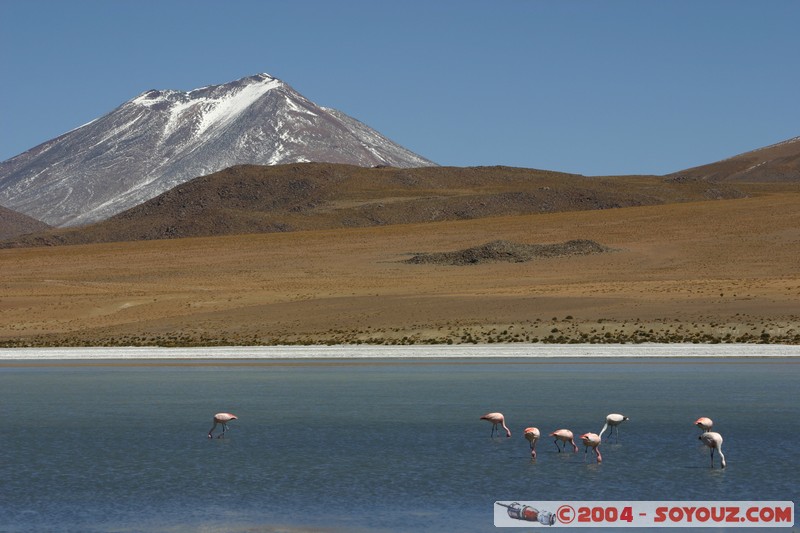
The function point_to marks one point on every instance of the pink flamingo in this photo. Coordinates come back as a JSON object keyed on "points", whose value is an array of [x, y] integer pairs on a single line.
{"points": [[593, 440], [221, 418], [497, 419], [704, 423], [565, 436], [532, 435], [713, 440], [613, 421]]}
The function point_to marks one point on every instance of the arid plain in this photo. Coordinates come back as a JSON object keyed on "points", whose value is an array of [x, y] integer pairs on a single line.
{"points": [[703, 271]]}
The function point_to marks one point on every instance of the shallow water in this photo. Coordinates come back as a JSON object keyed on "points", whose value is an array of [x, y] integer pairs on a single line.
{"points": [[377, 444]]}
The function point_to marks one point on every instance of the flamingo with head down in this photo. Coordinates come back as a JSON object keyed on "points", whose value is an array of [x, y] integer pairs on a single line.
{"points": [[593, 440], [713, 440], [532, 436], [223, 419], [497, 419], [565, 436]]}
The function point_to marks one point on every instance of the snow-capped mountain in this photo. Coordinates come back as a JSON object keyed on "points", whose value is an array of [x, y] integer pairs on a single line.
{"points": [[161, 139]]}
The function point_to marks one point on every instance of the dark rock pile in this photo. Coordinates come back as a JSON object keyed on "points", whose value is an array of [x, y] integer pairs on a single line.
{"points": [[511, 252]]}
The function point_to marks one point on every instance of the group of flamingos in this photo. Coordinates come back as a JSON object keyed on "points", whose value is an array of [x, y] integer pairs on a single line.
{"points": [[710, 438]]}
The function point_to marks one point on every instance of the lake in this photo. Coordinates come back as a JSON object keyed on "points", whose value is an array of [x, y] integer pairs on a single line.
{"points": [[379, 439]]}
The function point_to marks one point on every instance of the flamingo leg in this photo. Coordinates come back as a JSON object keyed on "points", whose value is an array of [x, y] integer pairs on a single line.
{"points": [[557, 446]]}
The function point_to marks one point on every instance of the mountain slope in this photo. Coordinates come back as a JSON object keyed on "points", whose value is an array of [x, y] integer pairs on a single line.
{"points": [[776, 163], [312, 196], [13, 224], [161, 139]]}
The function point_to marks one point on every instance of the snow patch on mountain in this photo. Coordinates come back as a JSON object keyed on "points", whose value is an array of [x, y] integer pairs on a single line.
{"points": [[223, 110]]}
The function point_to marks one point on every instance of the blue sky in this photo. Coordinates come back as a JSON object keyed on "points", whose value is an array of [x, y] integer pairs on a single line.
{"points": [[592, 87]]}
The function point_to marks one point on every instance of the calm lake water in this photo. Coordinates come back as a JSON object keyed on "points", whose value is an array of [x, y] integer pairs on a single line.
{"points": [[380, 442]]}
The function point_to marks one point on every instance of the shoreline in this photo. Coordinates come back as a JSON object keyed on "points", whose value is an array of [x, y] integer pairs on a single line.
{"points": [[368, 352]]}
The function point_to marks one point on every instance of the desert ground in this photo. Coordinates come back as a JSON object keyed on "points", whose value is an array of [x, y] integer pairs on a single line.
{"points": [[708, 271]]}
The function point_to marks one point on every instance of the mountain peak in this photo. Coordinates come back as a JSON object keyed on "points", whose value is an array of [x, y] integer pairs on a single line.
{"points": [[163, 138], [259, 83]]}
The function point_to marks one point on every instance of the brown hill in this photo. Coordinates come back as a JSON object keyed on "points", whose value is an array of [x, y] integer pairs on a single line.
{"points": [[776, 163], [13, 224], [313, 196]]}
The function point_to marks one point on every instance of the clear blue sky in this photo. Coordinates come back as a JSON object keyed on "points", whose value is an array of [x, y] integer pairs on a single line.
{"points": [[594, 87]]}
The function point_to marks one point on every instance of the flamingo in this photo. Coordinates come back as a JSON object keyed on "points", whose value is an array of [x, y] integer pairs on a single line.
{"points": [[704, 423], [593, 440], [532, 434], [497, 419], [565, 436], [613, 421], [713, 440], [221, 418]]}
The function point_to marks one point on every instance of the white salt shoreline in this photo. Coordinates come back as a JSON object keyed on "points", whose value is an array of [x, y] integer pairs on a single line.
{"points": [[461, 351]]}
